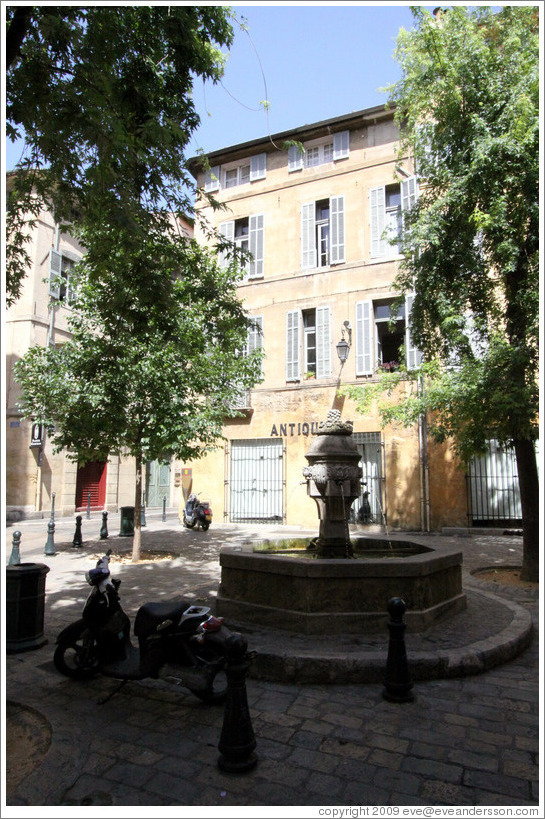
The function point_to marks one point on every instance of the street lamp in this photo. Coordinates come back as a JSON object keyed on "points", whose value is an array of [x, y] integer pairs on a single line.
{"points": [[343, 346]]}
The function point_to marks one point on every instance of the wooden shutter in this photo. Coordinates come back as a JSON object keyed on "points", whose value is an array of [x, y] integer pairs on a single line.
{"points": [[377, 206], [364, 338], [293, 321], [323, 342], [295, 158], [341, 145], [413, 354], [409, 192], [337, 252], [226, 229], [258, 167], [212, 179], [256, 245], [308, 235], [255, 337], [55, 273]]}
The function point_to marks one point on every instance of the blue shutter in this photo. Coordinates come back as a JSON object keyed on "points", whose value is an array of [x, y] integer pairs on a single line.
{"points": [[256, 245], [364, 338], [293, 321], [337, 254]]}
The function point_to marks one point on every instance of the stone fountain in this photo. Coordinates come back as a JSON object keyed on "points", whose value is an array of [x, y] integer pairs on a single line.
{"points": [[334, 584]]}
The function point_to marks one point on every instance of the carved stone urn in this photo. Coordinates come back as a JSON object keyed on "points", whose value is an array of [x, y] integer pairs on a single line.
{"points": [[333, 480]]}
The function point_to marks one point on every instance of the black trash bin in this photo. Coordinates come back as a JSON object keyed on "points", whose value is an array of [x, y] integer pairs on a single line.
{"points": [[25, 601], [127, 521]]}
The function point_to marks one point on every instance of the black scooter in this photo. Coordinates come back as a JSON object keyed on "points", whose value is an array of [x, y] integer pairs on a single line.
{"points": [[177, 642], [197, 513]]}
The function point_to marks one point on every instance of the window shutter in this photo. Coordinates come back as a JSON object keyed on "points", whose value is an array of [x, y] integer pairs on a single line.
{"points": [[323, 342], [212, 179], [409, 192], [364, 338], [258, 167], [295, 158], [336, 205], [377, 205], [226, 229], [341, 145], [55, 273], [292, 345], [256, 245], [308, 236], [255, 337], [413, 354]]}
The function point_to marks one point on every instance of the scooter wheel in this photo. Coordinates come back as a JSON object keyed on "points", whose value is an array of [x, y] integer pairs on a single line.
{"points": [[205, 526], [189, 525], [214, 662], [76, 657]]}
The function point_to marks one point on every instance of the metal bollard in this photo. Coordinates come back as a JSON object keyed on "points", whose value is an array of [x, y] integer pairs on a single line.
{"points": [[237, 742], [104, 527], [49, 544], [397, 679], [78, 540], [164, 517], [15, 557], [88, 516]]}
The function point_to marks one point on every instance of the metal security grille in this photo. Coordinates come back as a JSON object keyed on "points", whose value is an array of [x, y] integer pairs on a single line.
{"points": [[493, 488], [256, 480], [370, 446]]}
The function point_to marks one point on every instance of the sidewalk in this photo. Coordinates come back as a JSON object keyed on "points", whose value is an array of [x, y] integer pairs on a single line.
{"points": [[469, 740]]}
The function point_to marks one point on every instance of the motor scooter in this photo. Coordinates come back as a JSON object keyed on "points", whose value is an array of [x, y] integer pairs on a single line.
{"points": [[197, 513], [178, 642]]}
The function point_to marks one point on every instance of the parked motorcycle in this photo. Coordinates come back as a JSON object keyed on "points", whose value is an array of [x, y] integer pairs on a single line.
{"points": [[177, 642], [197, 513]]}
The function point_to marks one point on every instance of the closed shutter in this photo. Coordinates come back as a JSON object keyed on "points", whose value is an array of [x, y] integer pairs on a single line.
{"points": [[308, 236], [364, 338], [413, 354], [295, 158], [258, 167], [55, 274], [336, 205], [255, 337], [292, 345], [409, 192], [256, 245], [377, 206], [212, 179], [227, 229], [341, 145], [323, 342]]}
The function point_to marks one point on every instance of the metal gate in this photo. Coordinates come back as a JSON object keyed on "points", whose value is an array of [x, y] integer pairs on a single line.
{"points": [[493, 488], [371, 449], [255, 486]]}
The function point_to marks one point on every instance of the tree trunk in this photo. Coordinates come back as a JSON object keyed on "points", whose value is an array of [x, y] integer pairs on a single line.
{"points": [[137, 539], [529, 499]]}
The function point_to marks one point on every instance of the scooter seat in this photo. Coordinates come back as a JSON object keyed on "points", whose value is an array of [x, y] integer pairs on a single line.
{"points": [[151, 615]]}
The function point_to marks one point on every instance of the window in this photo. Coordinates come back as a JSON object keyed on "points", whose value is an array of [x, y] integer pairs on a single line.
{"points": [[247, 234], [308, 343], [322, 233], [387, 204], [255, 337], [248, 171], [318, 152], [60, 275], [379, 342]]}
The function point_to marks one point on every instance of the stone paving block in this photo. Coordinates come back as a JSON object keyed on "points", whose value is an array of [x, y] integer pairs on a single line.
{"points": [[343, 748], [432, 769], [520, 764], [328, 786], [178, 790], [499, 739], [479, 761], [315, 761], [445, 793], [306, 739], [497, 784], [386, 742], [400, 781], [269, 749], [365, 792], [385, 759]]}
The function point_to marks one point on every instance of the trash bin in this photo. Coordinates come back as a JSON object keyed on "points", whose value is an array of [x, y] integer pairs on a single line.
{"points": [[25, 600], [127, 521]]}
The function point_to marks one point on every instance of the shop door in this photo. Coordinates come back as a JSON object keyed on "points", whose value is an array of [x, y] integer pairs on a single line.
{"points": [[91, 481], [256, 481], [157, 483]]}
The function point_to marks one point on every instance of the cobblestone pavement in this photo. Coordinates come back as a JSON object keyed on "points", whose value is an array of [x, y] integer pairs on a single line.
{"points": [[469, 741]]}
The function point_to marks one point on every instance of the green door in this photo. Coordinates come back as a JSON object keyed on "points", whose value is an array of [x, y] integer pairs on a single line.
{"points": [[157, 483]]}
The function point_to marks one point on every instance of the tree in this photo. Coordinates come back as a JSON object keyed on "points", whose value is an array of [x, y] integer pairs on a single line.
{"points": [[150, 382], [102, 97], [467, 105]]}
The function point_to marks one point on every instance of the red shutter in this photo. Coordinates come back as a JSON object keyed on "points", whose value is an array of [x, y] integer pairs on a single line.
{"points": [[91, 478]]}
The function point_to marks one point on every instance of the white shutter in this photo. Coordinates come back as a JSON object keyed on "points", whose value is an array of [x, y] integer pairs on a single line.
{"points": [[212, 179], [364, 338], [226, 229], [409, 192], [377, 206], [336, 207], [323, 342], [295, 158], [308, 236], [413, 354], [55, 273], [293, 321], [341, 145], [258, 167], [255, 337], [256, 245]]}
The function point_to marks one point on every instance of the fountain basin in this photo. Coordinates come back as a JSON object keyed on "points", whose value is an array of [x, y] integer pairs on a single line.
{"points": [[312, 595]]}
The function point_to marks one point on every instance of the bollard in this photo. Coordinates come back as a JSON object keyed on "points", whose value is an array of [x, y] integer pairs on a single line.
{"points": [[78, 540], [49, 544], [15, 557], [164, 517], [88, 516], [104, 527], [237, 741], [397, 680]]}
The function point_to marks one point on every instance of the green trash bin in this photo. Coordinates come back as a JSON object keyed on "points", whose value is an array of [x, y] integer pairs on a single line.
{"points": [[127, 521], [25, 603]]}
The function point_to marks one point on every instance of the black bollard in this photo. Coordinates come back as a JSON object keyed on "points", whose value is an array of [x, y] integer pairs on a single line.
{"points": [[77, 541], [50, 544], [104, 527], [164, 517], [397, 680], [237, 742], [15, 557], [88, 515]]}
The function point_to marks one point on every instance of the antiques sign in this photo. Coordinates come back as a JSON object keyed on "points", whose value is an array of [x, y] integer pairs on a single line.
{"points": [[294, 429]]}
